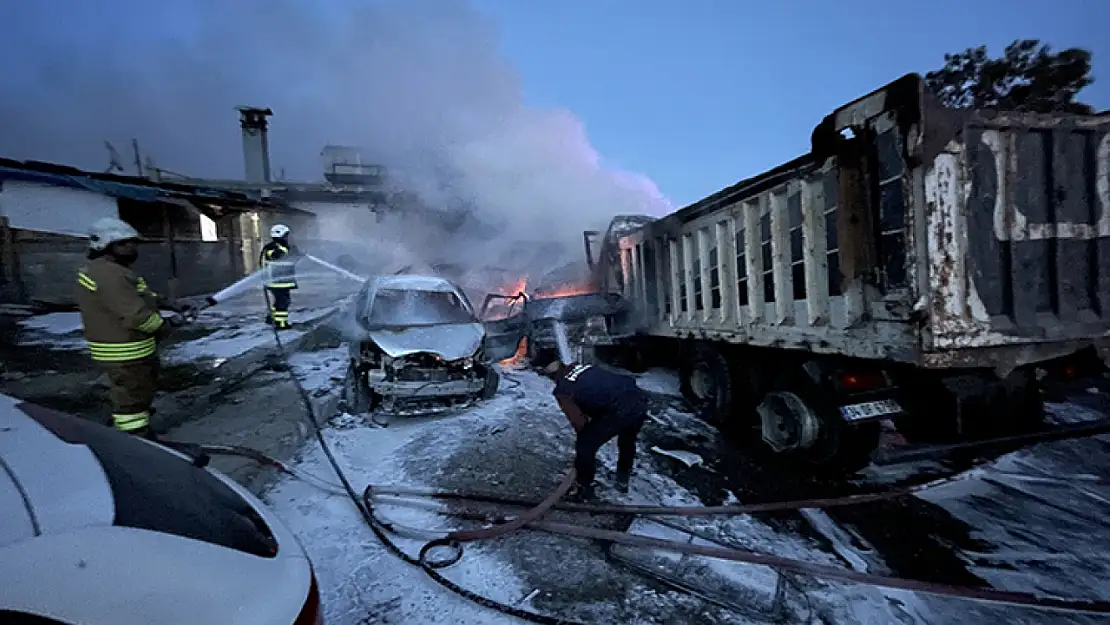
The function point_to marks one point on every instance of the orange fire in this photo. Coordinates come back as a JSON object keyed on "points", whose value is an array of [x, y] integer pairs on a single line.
{"points": [[518, 357], [565, 290], [517, 287]]}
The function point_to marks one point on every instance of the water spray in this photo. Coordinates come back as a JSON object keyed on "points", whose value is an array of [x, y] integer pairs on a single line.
{"points": [[234, 289], [339, 270], [253, 280], [561, 340]]}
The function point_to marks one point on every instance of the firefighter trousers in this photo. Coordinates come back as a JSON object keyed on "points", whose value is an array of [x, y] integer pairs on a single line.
{"points": [[131, 388], [279, 306], [624, 425]]}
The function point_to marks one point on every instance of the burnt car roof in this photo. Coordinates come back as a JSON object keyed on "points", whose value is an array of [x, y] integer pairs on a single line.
{"points": [[571, 307]]}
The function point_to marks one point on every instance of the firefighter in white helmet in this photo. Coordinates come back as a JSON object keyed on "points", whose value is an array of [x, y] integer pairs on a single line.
{"points": [[121, 322], [278, 260]]}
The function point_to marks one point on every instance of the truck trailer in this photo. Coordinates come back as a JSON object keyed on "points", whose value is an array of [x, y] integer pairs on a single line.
{"points": [[923, 265]]}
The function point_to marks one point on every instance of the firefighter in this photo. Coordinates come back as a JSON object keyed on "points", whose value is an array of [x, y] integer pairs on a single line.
{"points": [[122, 324], [277, 261], [600, 405]]}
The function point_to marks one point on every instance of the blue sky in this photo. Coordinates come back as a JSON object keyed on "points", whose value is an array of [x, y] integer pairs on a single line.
{"points": [[701, 93]]}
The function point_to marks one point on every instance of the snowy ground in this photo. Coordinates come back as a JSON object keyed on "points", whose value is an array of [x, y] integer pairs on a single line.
{"points": [[1031, 520], [219, 333]]}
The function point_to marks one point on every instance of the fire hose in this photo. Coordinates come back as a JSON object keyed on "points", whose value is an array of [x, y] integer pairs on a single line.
{"points": [[532, 519]]}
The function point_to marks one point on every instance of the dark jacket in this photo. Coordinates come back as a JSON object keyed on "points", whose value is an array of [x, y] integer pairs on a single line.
{"points": [[278, 261], [119, 313], [599, 392]]}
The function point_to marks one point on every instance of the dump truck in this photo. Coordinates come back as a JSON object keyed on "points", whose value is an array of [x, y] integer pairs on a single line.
{"points": [[924, 266]]}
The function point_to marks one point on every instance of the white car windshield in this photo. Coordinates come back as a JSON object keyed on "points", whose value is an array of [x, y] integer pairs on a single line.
{"points": [[395, 307]]}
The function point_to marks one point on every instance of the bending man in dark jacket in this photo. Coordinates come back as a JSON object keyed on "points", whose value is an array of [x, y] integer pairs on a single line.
{"points": [[600, 405]]}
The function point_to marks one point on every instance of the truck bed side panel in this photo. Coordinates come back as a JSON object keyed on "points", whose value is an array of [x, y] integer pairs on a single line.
{"points": [[764, 268], [1018, 216]]}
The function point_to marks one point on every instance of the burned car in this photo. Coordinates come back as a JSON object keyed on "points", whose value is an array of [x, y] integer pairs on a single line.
{"points": [[593, 320], [418, 345]]}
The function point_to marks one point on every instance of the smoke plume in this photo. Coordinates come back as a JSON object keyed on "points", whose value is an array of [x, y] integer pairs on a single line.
{"points": [[420, 85]]}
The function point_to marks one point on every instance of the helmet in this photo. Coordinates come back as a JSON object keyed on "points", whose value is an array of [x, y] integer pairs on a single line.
{"points": [[279, 231], [109, 230]]}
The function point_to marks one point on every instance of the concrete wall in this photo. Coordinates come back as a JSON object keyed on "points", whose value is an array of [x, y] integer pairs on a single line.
{"points": [[47, 265], [59, 210], [44, 243]]}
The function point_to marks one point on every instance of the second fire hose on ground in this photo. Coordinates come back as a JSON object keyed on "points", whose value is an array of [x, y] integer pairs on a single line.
{"points": [[511, 520]]}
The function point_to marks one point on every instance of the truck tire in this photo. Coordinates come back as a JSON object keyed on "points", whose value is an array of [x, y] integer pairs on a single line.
{"points": [[493, 382], [357, 395], [836, 445], [707, 384]]}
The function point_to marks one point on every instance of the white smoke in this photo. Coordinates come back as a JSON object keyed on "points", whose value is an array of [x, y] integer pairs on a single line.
{"points": [[420, 85]]}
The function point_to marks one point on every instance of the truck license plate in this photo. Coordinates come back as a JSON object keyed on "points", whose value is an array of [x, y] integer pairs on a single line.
{"points": [[866, 410]]}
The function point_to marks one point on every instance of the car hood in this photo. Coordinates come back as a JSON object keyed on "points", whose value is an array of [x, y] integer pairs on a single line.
{"points": [[449, 341]]}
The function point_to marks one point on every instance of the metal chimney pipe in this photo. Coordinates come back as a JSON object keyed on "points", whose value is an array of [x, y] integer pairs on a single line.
{"points": [[256, 143]]}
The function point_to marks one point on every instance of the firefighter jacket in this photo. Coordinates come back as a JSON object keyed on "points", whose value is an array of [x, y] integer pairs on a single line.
{"points": [[119, 313], [278, 262]]}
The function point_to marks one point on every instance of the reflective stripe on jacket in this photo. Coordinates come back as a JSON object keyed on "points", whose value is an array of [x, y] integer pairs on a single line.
{"points": [[278, 273], [118, 311]]}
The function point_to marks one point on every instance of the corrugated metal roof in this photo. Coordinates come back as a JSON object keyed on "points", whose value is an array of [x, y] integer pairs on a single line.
{"points": [[130, 187]]}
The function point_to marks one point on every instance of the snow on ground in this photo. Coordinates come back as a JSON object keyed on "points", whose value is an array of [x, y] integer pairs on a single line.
{"points": [[519, 444], [320, 370], [239, 336], [232, 334], [54, 324], [660, 381]]}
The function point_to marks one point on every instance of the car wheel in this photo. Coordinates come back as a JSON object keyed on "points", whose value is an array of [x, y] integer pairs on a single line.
{"points": [[357, 395], [493, 382]]}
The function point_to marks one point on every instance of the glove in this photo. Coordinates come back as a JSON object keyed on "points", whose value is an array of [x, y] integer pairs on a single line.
{"points": [[189, 312], [177, 320]]}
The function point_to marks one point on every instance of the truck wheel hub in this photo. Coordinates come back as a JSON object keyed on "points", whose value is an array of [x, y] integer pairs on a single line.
{"points": [[787, 423], [701, 383]]}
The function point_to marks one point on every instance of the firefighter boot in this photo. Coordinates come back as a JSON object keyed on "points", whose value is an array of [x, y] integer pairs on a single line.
{"points": [[622, 482], [581, 494]]}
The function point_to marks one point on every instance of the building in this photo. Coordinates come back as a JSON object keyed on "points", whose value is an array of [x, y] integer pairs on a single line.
{"points": [[354, 195], [197, 239]]}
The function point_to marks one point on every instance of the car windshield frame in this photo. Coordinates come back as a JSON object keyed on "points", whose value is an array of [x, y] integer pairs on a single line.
{"points": [[410, 308]]}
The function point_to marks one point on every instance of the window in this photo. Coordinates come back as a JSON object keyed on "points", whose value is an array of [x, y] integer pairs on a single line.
{"points": [[402, 308], [208, 231], [768, 258], [831, 183], [741, 263], [797, 245], [714, 279], [158, 491]]}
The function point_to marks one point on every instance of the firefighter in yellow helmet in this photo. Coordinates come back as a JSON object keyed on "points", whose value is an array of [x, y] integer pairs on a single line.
{"points": [[278, 261], [122, 323]]}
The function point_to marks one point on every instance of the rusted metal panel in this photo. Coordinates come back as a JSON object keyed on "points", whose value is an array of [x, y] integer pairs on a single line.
{"points": [[930, 236], [1018, 211]]}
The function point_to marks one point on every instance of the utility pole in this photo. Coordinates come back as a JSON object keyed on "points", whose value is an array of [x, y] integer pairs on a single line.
{"points": [[138, 159]]}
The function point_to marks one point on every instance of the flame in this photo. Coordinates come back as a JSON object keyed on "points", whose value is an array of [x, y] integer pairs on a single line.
{"points": [[517, 287], [566, 290], [518, 357]]}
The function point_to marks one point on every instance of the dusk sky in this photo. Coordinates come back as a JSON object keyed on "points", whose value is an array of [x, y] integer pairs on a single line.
{"points": [[524, 108], [701, 93]]}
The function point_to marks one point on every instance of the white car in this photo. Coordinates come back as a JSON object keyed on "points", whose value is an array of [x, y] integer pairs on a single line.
{"points": [[102, 528], [415, 343]]}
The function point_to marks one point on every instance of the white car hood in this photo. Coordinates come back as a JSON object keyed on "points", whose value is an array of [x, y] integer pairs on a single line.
{"points": [[449, 342]]}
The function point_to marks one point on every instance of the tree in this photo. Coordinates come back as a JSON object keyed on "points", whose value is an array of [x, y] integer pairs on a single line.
{"points": [[1029, 76]]}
